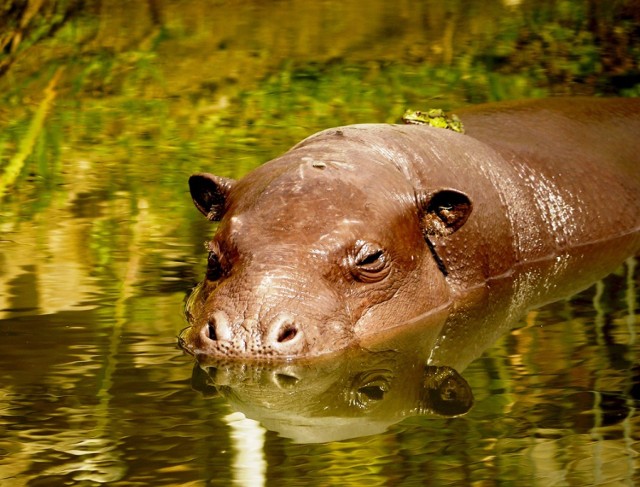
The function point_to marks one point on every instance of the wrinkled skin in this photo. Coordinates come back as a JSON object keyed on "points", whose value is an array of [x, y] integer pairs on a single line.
{"points": [[362, 227]]}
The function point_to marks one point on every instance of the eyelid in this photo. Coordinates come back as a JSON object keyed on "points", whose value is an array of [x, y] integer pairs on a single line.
{"points": [[369, 262], [215, 261], [369, 255]]}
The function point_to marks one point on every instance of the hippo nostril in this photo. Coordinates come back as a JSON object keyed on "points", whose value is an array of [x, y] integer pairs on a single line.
{"points": [[217, 327], [285, 381], [211, 331], [287, 333]]}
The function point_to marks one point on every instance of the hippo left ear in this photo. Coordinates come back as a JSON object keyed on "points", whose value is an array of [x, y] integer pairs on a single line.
{"points": [[201, 382], [443, 212], [210, 193]]}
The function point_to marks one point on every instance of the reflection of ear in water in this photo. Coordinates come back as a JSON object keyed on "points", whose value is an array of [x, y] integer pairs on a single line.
{"points": [[446, 393]]}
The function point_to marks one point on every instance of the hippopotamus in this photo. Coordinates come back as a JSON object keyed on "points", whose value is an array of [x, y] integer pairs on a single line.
{"points": [[360, 228]]}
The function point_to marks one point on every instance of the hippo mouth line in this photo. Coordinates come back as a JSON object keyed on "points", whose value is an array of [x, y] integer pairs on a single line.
{"points": [[288, 341], [284, 340], [231, 353]]}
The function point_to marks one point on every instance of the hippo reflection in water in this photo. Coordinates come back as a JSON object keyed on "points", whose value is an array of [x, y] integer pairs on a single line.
{"points": [[359, 392], [359, 229]]}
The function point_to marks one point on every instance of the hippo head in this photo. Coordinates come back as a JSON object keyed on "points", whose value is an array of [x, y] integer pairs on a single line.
{"points": [[314, 250]]}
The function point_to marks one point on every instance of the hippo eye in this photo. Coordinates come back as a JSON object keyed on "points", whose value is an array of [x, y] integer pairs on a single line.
{"points": [[371, 263], [214, 269], [369, 388]]}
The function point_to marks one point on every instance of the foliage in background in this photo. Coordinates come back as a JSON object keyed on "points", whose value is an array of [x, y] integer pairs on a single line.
{"points": [[127, 93]]}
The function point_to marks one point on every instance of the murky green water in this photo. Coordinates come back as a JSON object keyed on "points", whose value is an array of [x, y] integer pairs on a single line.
{"points": [[107, 107]]}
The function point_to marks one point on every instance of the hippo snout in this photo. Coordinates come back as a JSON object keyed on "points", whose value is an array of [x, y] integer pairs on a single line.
{"points": [[283, 335], [273, 325], [280, 335]]}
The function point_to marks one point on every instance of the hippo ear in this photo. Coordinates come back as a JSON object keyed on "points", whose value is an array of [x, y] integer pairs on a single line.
{"points": [[210, 193], [201, 381], [445, 393], [443, 212]]}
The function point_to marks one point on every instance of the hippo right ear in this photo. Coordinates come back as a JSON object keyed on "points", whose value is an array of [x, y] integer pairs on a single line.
{"points": [[210, 193], [443, 212]]}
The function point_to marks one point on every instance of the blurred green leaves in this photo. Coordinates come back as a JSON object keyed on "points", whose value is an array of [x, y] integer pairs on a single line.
{"points": [[153, 91]]}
